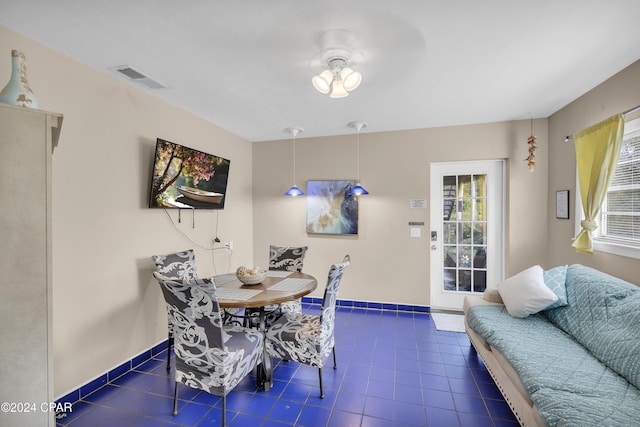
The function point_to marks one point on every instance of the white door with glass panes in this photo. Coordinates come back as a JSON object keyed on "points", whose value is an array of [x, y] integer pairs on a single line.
{"points": [[466, 237]]}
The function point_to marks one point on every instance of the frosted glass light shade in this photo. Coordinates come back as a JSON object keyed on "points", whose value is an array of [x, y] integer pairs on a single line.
{"points": [[338, 90], [322, 82], [350, 78]]}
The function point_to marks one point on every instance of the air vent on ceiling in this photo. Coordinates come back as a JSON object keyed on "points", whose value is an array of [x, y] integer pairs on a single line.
{"points": [[138, 77]]}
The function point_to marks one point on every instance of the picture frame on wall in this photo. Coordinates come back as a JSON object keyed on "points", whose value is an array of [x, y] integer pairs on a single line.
{"points": [[330, 207], [562, 204]]}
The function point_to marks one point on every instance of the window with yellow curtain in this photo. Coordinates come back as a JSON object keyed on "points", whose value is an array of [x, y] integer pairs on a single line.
{"points": [[597, 149], [618, 221]]}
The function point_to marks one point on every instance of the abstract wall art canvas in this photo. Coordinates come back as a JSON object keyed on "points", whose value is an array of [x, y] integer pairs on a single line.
{"points": [[330, 207]]}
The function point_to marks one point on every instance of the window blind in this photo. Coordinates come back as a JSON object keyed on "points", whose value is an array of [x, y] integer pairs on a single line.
{"points": [[619, 218]]}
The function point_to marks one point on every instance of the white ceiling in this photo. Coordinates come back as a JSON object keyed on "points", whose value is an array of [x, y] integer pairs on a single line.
{"points": [[246, 65]]}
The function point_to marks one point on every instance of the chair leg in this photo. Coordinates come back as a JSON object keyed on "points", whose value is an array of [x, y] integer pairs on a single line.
{"points": [[259, 376], [169, 345], [335, 365], [320, 376], [224, 410], [175, 399]]}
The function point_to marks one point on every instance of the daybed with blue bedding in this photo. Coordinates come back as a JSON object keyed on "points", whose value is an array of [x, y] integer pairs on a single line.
{"points": [[572, 359]]}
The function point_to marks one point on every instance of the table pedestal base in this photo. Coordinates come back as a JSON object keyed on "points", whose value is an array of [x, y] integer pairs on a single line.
{"points": [[266, 360]]}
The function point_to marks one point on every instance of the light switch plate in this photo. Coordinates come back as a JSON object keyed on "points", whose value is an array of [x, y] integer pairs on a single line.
{"points": [[415, 232]]}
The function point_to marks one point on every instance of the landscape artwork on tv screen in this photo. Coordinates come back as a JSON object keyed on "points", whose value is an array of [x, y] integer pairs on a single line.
{"points": [[186, 178]]}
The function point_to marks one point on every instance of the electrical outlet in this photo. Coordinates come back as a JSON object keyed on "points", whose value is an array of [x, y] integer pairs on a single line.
{"points": [[228, 245]]}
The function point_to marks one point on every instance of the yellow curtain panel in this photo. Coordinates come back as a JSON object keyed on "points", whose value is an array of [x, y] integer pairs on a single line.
{"points": [[597, 150]]}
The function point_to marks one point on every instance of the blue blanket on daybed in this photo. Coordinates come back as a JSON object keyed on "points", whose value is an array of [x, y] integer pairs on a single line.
{"points": [[585, 377]]}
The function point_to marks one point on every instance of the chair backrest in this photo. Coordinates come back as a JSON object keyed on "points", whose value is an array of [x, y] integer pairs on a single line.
{"points": [[287, 258], [194, 312], [328, 309], [180, 265]]}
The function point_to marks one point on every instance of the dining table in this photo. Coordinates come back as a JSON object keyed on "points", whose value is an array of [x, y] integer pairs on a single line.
{"points": [[276, 288]]}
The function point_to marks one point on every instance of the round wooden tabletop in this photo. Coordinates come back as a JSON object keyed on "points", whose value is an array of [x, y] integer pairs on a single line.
{"points": [[302, 285]]}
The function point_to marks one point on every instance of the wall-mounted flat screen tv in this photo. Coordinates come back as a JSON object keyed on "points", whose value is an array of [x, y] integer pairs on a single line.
{"points": [[185, 178]]}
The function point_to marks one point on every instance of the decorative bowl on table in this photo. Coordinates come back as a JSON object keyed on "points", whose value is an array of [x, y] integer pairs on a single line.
{"points": [[250, 276]]}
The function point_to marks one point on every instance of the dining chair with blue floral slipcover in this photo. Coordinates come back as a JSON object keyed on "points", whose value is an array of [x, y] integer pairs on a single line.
{"points": [[179, 265], [209, 356], [305, 338]]}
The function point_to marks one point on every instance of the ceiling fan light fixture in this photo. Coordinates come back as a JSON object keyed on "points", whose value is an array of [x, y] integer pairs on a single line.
{"points": [[338, 78]]}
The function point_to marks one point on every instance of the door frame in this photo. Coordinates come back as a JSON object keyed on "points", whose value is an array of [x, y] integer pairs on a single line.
{"points": [[435, 255]]}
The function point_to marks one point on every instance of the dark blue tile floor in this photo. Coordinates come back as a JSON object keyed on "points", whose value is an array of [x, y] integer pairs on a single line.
{"points": [[394, 369]]}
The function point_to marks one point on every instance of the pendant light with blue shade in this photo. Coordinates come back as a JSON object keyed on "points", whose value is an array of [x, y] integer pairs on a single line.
{"points": [[294, 190], [358, 189]]}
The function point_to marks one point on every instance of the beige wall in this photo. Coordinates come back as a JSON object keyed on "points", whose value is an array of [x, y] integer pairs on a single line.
{"points": [[387, 264], [619, 93], [106, 308]]}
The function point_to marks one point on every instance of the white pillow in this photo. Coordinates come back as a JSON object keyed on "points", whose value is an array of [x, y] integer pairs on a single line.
{"points": [[526, 293]]}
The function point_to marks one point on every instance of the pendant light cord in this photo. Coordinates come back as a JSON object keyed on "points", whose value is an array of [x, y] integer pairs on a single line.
{"points": [[294, 133], [294, 160], [358, 156], [358, 126]]}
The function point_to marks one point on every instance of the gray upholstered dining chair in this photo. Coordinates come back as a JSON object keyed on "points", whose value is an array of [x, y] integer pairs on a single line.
{"points": [[288, 258], [179, 265], [305, 338], [209, 356], [281, 258]]}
